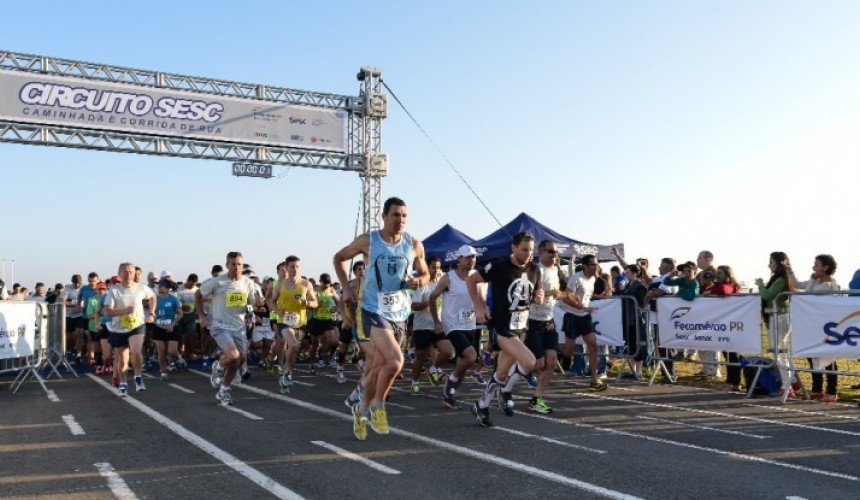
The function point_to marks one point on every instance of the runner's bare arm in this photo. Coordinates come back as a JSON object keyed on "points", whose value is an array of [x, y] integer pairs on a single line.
{"points": [[420, 264], [360, 245], [431, 301], [482, 313], [311, 295]]}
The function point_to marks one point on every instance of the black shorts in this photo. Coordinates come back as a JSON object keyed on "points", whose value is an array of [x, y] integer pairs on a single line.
{"points": [[102, 334], [121, 339], [320, 326], [577, 326], [423, 338], [495, 333], [345, 335], [541, 337], [162, 335], [461, 340], [187, 323], [73, 324]]}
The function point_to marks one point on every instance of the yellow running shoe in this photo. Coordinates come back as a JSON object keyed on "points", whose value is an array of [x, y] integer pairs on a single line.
{"points": [[359, 424], [378, 420]]}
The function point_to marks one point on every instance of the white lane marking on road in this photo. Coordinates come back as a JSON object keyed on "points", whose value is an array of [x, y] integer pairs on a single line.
{"points": [[548, 440], [358, 458], [75, 427], [388, 403], [149, 376], [702, 427], [115, 482], [243, 413], [180, 388], [804, 412], [306, 384], [740, 456], [436, 443], [52, 396], [795, 498], [264, 481], [718, 413]]}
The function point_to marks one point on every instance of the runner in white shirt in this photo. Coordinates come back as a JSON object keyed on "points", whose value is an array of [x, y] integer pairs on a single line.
{"points": [[231, 297], [423, 330], [124, 304], [572, 315]]}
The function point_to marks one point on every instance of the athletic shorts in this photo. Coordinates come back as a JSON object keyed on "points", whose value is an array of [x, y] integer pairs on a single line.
{"points": [[423, 338], [187, 323], [263, 333], [102, 334], [320, 326], [225, 338], [461, 340], [369, 320], [73, 324], [541, 337], [346, 335], [495, 333], [121, 339], [574, 326], [162, 335]]}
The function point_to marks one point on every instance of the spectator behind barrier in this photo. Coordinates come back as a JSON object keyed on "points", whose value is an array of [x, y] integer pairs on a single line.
{"points": [[820, 280], [775, 309]]}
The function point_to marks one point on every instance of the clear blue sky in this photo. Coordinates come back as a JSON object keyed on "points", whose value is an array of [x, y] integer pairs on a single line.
{"points": [[671, 126]]}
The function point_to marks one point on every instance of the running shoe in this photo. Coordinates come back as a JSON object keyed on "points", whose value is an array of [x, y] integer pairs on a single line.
{"points": [[433, 376], [123, 390], [353, 399], [163, 376], [171, 367], [115, 382], [479, 377], [359, 424], [538, 405], [313, 369], [224, 397], [449, 394], [286, 382], [246, 373], [379, 420], [320, 363], [416, 389], [361, 365], [181, 364], [532, 380], [100, 370], [341, 378], [215, 376], [486, 357], [506, 403], [138, 384], [483, 415], [597, 386]]}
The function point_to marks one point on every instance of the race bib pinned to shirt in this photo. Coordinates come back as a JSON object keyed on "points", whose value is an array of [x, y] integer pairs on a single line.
{"points": [[292, 319], [163, 322], [466, 316], [519, 320], [392, 302], [235, 299], [129, 321]]}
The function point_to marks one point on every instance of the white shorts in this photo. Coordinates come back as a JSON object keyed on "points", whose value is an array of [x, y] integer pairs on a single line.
{"points": [[226, 338], [263, 332]]}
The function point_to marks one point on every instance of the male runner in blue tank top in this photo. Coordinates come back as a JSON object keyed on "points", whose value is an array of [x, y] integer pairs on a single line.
{"points": [[390, 254]]}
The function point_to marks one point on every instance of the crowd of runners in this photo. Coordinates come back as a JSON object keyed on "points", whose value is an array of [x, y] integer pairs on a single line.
{"points": [[511, 319]]}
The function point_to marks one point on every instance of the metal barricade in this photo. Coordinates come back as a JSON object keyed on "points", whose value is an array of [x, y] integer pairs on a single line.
{"points": [[24, 366], [620, 330], [55, 356], [786, 363]]}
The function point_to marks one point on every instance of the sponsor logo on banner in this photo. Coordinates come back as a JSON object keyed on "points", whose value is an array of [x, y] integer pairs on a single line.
{"points": [[294, 120], [730, 323], [846, 331]]}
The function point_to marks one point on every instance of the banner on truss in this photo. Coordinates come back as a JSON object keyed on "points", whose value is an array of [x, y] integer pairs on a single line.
{"points": [[73, 102]]}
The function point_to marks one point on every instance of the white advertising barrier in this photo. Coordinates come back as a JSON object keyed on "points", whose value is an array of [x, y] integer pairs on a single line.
{"points": [[80, 103], [825, 326], [17, 329], [711, 324], [607, 320]]}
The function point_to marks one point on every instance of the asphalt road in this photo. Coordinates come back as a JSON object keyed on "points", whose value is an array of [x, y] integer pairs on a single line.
{"points": [[627, 442]]}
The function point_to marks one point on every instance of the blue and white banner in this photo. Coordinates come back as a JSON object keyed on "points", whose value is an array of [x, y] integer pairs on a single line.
{"points": [[607, 322], [17, 329], [824, 326], [120, 107], [730, 323]]}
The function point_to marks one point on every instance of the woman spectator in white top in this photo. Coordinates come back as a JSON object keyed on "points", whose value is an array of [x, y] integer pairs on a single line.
{"points": [[821, 280]]}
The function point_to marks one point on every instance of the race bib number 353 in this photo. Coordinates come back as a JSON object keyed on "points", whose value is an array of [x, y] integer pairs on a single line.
{"points": [[235, 299], [392, 302]]}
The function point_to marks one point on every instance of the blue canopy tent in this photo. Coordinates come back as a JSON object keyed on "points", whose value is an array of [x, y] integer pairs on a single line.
{"points": [[498, 243], [444, 242]]}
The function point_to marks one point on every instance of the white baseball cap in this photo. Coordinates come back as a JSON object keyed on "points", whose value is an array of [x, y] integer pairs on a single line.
{"points": [[166, 274], [466, 251]]}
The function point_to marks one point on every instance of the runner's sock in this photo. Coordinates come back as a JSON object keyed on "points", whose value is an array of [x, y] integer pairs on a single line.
{"points": [[489, 393]]}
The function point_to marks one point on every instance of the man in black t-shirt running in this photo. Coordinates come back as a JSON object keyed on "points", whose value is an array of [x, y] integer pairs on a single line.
{"points": [[514, 286]]}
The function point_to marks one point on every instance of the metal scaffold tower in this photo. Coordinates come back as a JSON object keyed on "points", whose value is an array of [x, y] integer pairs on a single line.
{"points": [[364, 114]]}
